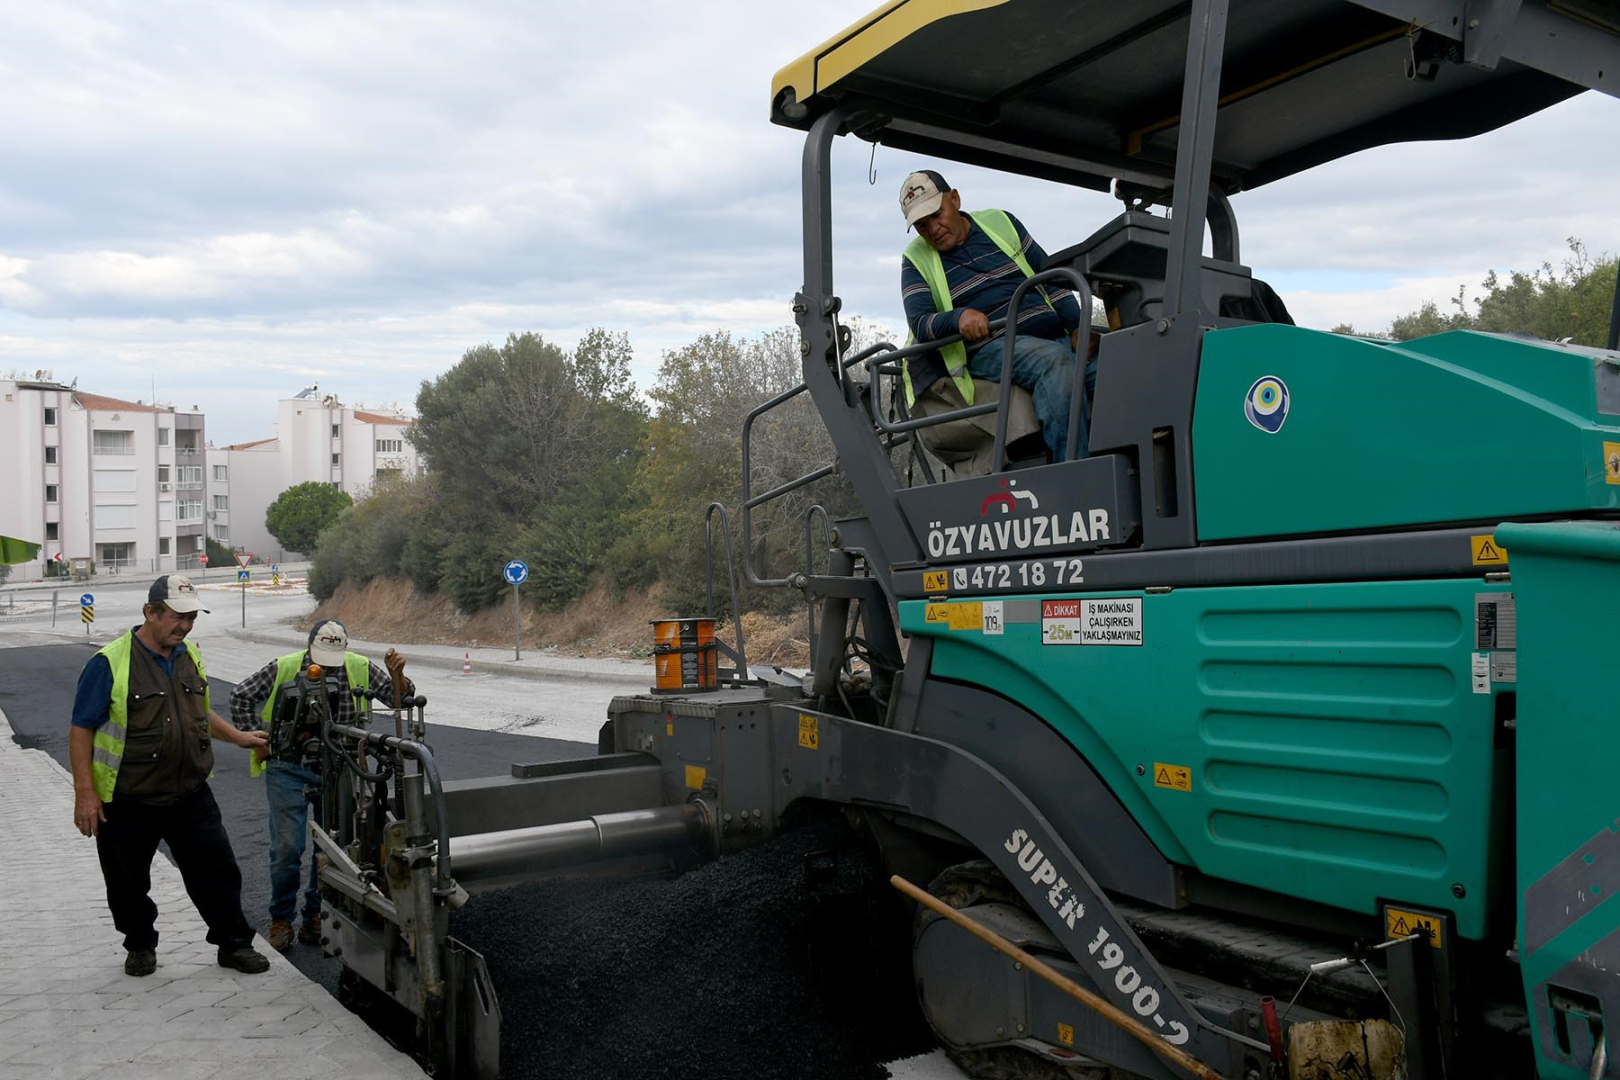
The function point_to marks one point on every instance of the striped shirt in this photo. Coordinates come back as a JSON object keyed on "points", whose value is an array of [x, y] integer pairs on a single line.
{"points": [[249, 696], [982, 277]]}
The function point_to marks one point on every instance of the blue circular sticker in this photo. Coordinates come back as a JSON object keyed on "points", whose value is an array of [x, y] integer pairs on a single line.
{"points": [[1266, 404]]}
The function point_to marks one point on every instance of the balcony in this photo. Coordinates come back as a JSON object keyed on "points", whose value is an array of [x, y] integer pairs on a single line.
{"points": [[113, 450], [187, 451]]}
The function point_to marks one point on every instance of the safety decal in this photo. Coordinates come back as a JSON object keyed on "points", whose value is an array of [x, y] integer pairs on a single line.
{"points": [[1266, 404], [1112, 621], [1066, 1034], [1399, 924], [961, 615], [1611, 463], [1486, 551], [695, 775], [1174, 777], [1481, 672], [809, 732], [936, 581]]}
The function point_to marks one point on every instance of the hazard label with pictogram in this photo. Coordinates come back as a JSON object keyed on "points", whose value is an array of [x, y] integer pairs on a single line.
{"points": [[1399, 923], [1611, 463], [1486, 551], [1174, 777]]}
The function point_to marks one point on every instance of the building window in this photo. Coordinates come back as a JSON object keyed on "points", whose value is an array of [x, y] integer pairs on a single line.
{"points": [[190, 475], [219, 472], [163, 545], [50, 417], [222, 502], [189, 510], [50, 455], [163, 478], [112, 442], [222, 534], [53, 531], [335, 458], [163, 436], [50, 493], [337, 432], [390, 446], [115, 556]]}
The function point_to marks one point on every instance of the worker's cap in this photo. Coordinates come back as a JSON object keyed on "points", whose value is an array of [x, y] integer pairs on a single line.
{"points": [[328, 641], [921, 195], [177, 592]]}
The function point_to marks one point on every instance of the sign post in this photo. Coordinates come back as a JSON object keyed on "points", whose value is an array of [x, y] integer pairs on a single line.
{"points": [[87, 611], [242, 575], [516, 572], [202, 560]]}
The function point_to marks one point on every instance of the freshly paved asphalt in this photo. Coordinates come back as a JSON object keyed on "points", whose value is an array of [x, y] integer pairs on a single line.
{"points": [[36, 693]]}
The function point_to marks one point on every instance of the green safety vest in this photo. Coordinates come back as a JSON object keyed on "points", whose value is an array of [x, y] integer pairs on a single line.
{"points": [[999, 228], [107, 749], [287, 669]]}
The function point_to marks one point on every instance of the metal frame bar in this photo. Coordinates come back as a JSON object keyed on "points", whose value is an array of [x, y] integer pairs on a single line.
{"points": [[1195, 150], [739, 654], [1077, 396]]}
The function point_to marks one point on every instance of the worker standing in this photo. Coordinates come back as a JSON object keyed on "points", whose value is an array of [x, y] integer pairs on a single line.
{"points": [[292, 784], [141, 751], [959, 275]]}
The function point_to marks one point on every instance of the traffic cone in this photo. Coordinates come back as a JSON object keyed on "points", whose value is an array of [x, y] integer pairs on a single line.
{"points": [[466, 664]]}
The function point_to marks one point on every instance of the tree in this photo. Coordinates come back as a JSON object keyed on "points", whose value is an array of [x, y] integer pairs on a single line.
{"points": [[1573, 302], [299, 514]]}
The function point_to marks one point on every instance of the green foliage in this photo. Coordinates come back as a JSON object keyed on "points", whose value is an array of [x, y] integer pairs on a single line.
{"points": [[299, 514], [1571, 303], [369, 538], [218, 553]]}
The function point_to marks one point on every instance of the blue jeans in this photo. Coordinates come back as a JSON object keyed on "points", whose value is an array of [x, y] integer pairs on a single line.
{"points": [[294, 794], [1046, 369]]}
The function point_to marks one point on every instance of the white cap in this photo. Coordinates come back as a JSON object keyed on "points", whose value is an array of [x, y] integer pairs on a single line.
{"points": [[921, 194], [328, 641]]}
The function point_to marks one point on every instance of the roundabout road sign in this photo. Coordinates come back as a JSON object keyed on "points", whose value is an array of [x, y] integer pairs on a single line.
{"points": [[516, 572]]}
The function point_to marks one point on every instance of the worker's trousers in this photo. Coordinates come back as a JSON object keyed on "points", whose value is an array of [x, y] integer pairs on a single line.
{"points": [[294, 793], [195, 832], [1046, 369]]}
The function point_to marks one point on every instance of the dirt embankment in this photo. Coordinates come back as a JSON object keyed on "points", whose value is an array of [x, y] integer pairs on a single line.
{"points": [[599, 624]]}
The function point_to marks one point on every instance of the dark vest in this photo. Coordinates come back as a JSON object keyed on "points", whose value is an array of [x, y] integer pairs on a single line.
{"points": [[167, 753]]}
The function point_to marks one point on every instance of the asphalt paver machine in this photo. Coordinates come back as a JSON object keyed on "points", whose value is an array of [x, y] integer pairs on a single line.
{"points": [[1296, 683]]}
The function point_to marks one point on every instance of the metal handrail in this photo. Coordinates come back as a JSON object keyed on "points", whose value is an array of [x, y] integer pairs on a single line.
{"points": [[739, 654], [810, 563], [1077, 397]]}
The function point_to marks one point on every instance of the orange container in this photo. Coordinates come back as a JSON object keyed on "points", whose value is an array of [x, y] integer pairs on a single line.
{"points": [[684, 655]]}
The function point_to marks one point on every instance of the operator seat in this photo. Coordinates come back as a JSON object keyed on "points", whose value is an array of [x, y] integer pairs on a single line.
{"points": [[966, 447]]}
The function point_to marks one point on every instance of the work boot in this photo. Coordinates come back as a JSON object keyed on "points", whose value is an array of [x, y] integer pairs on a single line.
{"points": [[310, 932], [247, 960], [280, 934], [140, 962]]}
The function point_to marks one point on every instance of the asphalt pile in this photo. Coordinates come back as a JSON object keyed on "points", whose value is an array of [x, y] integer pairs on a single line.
{"points": [[789, 960]]}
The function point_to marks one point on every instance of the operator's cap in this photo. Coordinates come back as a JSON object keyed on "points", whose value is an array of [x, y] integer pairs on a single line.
{"points": [[328, 641], [921, 195], [176, 591]]}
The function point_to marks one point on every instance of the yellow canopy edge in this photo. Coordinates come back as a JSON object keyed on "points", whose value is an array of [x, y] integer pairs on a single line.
{"points": [[864, 39]]}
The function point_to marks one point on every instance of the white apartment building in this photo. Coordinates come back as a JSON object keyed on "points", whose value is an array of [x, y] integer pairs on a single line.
{"points": [[87, 476], [317, 438]]}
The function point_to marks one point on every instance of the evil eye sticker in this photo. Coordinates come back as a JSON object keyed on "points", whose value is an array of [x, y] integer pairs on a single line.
{"points": [[1266, 404]]}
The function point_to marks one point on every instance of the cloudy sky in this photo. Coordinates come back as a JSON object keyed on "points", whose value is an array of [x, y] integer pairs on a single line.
{"points": [[232, 201]]}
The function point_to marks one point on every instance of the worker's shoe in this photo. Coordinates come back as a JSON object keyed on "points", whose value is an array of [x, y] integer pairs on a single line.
{"points": [[279, 935], [247, 960], [139, 962], [310, 932]]}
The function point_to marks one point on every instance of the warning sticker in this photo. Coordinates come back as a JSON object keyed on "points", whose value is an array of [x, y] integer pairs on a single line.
{"points": [[809, 732], [695, 775], [1399, 923], [962, 615], [1611, 463], [1486, 551], [936, 581], [1114, 621], [1496, 621], [1482, 673], [1174, 777], [1066, 1034]]}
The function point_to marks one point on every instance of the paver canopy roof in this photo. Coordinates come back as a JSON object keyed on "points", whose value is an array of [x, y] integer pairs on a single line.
{"points": [[1086, 90]]}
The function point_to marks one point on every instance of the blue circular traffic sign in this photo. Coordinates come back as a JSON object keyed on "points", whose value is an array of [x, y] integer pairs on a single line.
{"points": [[516, 572], [87, 599]]}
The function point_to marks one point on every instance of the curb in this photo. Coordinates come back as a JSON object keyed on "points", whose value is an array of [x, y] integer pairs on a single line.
{"points": [[450, 663]]}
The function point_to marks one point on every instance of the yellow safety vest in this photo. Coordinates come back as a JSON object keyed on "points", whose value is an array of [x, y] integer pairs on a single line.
{"points": [[107, 749], [999, 228], [287, 669]]}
